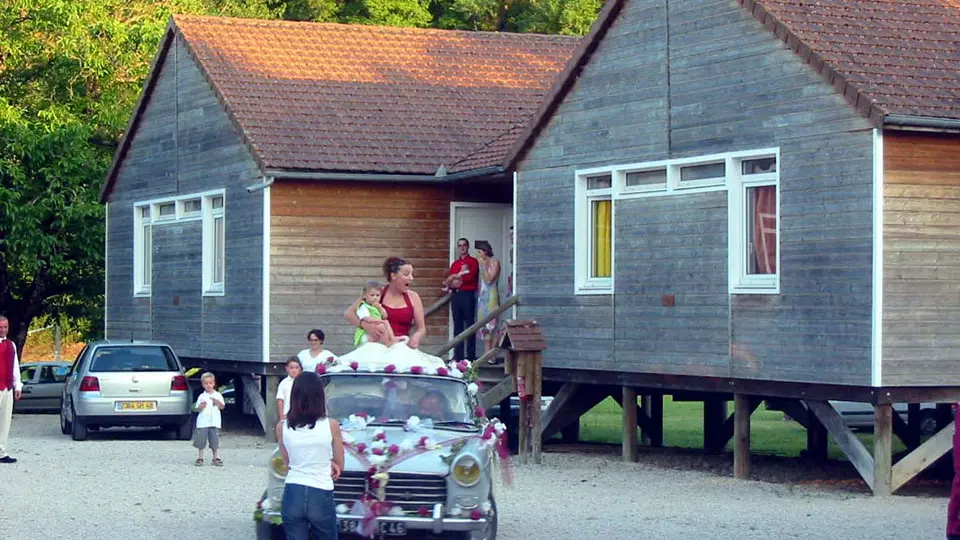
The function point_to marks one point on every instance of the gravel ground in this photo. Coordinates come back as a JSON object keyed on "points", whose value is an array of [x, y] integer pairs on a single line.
{"points": [[129, 484]]}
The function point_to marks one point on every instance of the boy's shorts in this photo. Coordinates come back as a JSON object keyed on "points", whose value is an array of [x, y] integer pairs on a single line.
{"points": [[202, 435]]}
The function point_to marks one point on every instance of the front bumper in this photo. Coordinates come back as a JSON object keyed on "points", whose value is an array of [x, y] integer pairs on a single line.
{"points": [[436, 523]]}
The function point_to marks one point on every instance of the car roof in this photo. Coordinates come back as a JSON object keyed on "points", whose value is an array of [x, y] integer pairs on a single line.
{"points": [[134, 343], [44, 363]]}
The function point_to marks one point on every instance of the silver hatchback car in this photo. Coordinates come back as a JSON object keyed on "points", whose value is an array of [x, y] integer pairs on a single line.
{"points": [[126, 384]]}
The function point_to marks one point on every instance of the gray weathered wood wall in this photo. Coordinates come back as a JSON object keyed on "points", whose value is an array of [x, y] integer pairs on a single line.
{"points": [[185, 144], [687, 78]]}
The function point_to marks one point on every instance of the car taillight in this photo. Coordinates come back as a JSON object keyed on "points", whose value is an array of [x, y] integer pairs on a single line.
{"points": [[90, 384], [179, 383]]}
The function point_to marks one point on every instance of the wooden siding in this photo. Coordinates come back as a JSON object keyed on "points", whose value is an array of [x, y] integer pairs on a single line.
{"points": [[921, 274], [327, 238], [706, 79], [185, 144]]}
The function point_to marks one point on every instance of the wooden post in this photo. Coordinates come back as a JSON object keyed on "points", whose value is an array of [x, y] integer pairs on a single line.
{"points": [[535, 371], [913, 426], [714, 415], [741, 434], [629, 407], [656, 419], [57, 342], [882, 448], [817, 441], [645, 402], [272, 414]]}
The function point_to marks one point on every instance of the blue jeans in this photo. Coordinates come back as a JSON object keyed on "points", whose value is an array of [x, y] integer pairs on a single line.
{"points": [[308, 513]]}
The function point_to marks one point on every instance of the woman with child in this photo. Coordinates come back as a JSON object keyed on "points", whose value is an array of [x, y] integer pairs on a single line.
{"points": [[399, 307]]}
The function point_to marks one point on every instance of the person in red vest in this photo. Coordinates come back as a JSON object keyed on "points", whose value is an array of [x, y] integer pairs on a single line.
{"points": [[463, 282], [10, 386]]}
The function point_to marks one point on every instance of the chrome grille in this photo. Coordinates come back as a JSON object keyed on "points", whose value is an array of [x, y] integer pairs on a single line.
{"points": [[410, 491]]}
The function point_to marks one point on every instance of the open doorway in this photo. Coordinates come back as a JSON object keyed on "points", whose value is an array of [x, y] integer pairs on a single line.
{"points": [[483, 221]]}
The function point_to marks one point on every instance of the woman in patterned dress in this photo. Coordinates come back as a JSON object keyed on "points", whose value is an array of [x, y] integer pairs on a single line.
{"points": [[489, 298]]}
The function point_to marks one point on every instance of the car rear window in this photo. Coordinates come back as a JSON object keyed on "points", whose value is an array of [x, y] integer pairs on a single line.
{"points": [[133, 359]]}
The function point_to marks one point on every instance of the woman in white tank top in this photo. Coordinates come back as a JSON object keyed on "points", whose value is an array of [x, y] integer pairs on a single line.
{"points": [[313, 450]]}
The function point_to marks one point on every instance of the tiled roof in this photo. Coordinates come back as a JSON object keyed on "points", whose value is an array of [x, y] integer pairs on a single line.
{"points": [[902, 57], [887, 57], [352, 98]]}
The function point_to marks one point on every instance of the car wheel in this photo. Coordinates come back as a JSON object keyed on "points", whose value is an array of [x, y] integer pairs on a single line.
{"points": [[65, 425], [79, 431], [185, 431]]}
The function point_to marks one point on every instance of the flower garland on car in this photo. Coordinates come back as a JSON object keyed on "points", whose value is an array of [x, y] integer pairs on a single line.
{"points": [[381, 454]]}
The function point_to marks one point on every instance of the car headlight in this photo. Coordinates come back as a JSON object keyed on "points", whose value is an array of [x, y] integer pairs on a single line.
{"points": [[277, 465], [466, 471]]}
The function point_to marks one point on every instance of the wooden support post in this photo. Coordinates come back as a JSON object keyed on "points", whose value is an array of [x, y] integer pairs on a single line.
{"points": [[645, 407], [536, 371], [944, 415], [714, 415], [272, 414], [629, 408], [570, 403], [656, 420], [848, 442], [742, 410], [921, 458], [913, 426], [817, 441], [882, 448]]}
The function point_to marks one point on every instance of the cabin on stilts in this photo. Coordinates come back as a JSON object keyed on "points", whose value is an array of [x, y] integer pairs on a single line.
{"points": [[270, 167], [750, 201]]}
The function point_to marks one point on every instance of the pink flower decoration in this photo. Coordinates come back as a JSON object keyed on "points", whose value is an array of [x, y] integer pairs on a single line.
{"points": [[371, 471], [442, 371], [377, 451], [476, 514], [321, 369], [380, 436], [374, 484], [363, 415], [416, 370], [423, 511], [463, 366], [479, 412], [354, 365], [394, 449], [259, 504], [423, 441], [390, 368], [361, 448]]}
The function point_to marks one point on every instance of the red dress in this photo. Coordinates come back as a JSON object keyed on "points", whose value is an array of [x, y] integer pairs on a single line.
{"points": [[400, 319]]}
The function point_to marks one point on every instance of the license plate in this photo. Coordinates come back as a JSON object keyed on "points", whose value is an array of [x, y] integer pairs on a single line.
{"points": [[387, 528], [136, 405]]}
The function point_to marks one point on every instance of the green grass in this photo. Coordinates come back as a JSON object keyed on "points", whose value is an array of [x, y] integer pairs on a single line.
{"points": [[770, 433]]}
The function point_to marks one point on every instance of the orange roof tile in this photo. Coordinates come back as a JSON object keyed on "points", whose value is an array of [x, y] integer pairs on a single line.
{"points": [[352, 98]]}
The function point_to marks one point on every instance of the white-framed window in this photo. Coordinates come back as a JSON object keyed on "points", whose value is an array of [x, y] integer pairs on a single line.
{"points": [[753, 203], [593, 241], [190, 207], [142, 250], [214, 244]]}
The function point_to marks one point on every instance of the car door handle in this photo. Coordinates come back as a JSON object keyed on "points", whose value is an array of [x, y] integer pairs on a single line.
{"points": [[134, 389], [27, 390]]}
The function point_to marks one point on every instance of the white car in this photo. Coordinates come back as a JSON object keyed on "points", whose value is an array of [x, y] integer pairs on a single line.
{"points": [[441, 488]]}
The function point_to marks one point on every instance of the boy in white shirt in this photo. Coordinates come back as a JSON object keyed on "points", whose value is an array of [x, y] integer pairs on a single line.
{"points": [[294, 368], [209, 404]]}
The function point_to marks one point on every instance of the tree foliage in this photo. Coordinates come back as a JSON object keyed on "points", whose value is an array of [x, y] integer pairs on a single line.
{"points": [[70, 73]]}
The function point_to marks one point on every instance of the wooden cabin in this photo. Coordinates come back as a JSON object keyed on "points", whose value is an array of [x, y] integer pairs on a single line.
{"points": [[751, 199], [270, 167]]}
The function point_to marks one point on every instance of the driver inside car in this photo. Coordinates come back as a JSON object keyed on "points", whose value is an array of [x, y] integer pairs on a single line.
{"points": [[433, 405]]}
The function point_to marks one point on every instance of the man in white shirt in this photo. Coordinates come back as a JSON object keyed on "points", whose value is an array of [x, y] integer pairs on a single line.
{"points": [[294, 367], [11, 387]]}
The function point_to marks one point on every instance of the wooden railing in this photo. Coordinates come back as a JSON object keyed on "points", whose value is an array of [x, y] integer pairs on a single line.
{"points": [[438, 305], [472, 330]]}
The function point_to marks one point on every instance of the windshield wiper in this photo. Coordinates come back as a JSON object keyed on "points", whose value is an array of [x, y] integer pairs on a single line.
{"points": [[454, 423]]}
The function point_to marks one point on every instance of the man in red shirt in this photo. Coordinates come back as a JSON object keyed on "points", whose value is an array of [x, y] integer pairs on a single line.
{"points": [[462, 281], [11, 387]]}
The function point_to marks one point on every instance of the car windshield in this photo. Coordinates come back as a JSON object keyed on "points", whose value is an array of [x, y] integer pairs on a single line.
{"points": [[133, 359], [389, 399]]}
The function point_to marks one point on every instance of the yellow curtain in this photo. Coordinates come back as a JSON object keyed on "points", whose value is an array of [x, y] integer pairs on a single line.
{"points": [[602, 239]]}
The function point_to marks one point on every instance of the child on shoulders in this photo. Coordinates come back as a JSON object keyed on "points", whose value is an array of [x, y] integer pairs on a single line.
{"points": [[370, 308]]}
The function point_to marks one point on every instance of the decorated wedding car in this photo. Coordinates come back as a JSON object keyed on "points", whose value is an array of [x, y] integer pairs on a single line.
{"points": [[419, 450]]}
